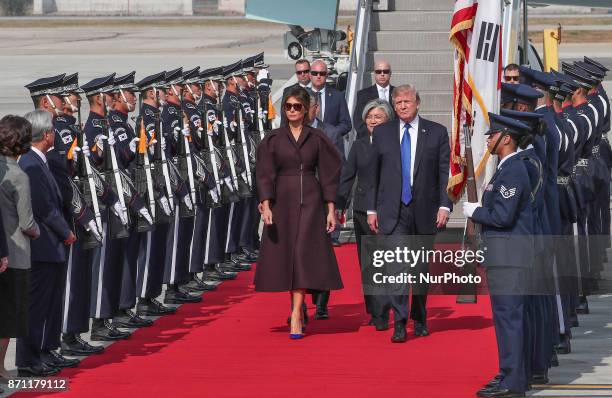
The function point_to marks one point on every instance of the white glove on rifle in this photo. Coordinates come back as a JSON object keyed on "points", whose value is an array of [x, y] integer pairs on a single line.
{"points": [[213, 194], [165, 205], [187, 201], [152, 146], [233, 125], [100, 142], [85, 148], [469, 208], [186, 131], [163, 143], [92, 227], [215, 126], [111, 140], [175, 132], [120, 211], [134, 144], [145, 214]]}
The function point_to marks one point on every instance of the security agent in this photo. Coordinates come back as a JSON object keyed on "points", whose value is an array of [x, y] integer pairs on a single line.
{"points": [[176, 270], [506, 218], [124, 102], [107, 260]]}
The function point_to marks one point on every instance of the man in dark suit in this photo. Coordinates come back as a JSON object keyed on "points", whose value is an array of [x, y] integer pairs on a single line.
{"points": [[302, 73], [409, 174], [333, 110], [381, 89], [48, 252]]}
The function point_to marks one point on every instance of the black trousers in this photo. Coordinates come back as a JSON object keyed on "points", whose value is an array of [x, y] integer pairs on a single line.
{"points": [[399, 303], [45, 281], [129, 271], [360, 224], [77, 295]]}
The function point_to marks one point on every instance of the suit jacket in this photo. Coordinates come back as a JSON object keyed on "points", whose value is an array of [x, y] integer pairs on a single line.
{"points": [[430, 173], [355, 167], [363, 97], [47, 208], [337, 117], [331, 133]]}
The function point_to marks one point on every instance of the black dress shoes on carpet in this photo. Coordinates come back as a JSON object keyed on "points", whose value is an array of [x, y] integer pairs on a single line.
{"points": [[565, 345], [399, 333], [73, 344], [216, 273], [104, 330], [174, 295], [53, 359], [420, 329], [152, 307], [498, 392], [321, 313], [39, 370], [128, 319], [197, 285]]}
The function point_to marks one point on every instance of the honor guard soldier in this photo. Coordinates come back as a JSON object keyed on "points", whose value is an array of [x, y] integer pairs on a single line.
{"points": [[589, 261], [206, 193], [125, 151], [151, 259], [176, 270], [107, 261], [211, 224], [507, 228], [234, 105]]}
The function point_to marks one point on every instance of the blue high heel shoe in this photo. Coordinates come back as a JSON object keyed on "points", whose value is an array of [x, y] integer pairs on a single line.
{"points": [[296, 336]]}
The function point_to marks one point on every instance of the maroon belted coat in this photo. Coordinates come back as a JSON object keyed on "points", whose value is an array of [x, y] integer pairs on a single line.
{"points": [[298, 178]]}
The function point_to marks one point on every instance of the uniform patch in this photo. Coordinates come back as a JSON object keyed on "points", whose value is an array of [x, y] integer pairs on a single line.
{"points": [[172, 110], [211, 116], [66, 136], [507, 193], [117, 119], [189, 105], [60, 119], [97, 123], [121, 134], [149, 112]]}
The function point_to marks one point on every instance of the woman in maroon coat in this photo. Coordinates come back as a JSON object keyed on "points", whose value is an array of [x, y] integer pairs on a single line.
{"points": [[298, 171]]}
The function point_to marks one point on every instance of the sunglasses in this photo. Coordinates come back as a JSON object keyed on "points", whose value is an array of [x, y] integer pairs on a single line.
{"points": [[511, 78], [315, 73], [302, 72], [382, 71], [296, 106]]}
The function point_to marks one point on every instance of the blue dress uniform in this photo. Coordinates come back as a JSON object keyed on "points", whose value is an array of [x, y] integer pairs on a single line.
{"points": [[152, 253], [125, 153], [176, 270], [507, 223], [107, 260]]}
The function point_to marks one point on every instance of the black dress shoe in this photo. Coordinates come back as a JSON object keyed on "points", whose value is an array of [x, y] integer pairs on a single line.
{"points": [[381, 324], [197, 285], [40, 370], [152, 307], [53, 359], [554, 360], [128, 319], [494, 383], [420, 329], [321, 313], [500, 393], [539, 379], [73, 344], [216, 273], [583, 306], [230, 266], [179, 297], [106, 331], [240, 263], [574, 321], [399, 333], [564, 346]]}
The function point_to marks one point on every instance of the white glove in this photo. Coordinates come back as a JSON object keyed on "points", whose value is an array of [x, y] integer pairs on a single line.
{"points": [[188, 203], [145, 214], [228, 182], [176, 132], [186, 131], [163, 143], [200, 129], [469, 208], [152, 146], [85, 148], [260, 114], [93, 228], [134, 144], [213, 194], [262, 74], [244, 177], [120, 211], [100, 142], [111, 140], [216, 125], [233, 125], [163, 201]]}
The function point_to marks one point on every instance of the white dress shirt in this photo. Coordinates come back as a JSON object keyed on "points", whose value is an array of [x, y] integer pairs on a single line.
{"points": [[40, 155], [383, 92]]}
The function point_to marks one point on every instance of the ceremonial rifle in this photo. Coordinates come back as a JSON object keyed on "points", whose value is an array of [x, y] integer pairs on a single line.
{"points": [[142, 176], [185, 165]]}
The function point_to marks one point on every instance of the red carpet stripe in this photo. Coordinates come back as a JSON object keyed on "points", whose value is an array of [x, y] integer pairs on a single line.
{"points": [[235, 344]]}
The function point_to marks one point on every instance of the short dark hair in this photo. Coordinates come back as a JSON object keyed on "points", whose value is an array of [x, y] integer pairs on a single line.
{"points": [[511, 67], [15, 135], [301, 95], [302, 61]]}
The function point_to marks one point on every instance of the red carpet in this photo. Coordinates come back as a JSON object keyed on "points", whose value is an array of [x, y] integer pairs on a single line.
{"points": [[235, 344]]}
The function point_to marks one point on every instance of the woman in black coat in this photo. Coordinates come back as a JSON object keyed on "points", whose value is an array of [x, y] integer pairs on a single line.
{"points": [[375, 112], [298, 170]]}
